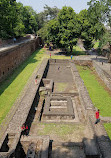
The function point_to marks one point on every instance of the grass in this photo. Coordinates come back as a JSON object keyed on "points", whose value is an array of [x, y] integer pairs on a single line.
{"points": [[61, 86], [108, 129], [78, 51], [60, 130], [11, 88], [60, 57], [96, 44], [99, 96]]}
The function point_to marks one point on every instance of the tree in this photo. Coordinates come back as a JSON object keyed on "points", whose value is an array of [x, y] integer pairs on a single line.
{"points": [[90, 28], [64, 30], [47, 15], [50, 13], [8, 18], [16, 20], [19, 28], [100, 12], [29, 20]]}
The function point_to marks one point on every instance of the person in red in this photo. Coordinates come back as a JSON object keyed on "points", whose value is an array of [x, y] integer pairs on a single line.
{"points": [[97, 116], [23, 127], [26, 129], [50, 55]]}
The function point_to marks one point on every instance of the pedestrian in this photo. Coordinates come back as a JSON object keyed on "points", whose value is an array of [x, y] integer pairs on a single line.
{"points": [[50, 48], [50, 55], [26, 130], [97, 117], [102, 62], [23, 129], [36, 81], [58, 67], [71, 57], [14, 40]]}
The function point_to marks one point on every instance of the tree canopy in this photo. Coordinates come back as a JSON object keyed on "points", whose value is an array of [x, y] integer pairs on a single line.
{"points": [[100, 13], [16, 19], [64, 30]]}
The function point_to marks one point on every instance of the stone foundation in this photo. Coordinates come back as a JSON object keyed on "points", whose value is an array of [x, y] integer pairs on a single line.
{"points": [[69, 107]]}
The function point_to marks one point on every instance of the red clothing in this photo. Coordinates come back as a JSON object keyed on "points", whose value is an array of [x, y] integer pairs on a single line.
{"points": [[23, 127], [97, 114], [26, 127]]}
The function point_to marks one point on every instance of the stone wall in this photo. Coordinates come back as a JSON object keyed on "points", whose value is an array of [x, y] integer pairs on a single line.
{"points": [[22, 112], [3, 43], [83, 62], [14, 56], [87, 105], [103, 75]]}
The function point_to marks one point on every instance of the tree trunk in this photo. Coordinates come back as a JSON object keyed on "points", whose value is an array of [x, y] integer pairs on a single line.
{"points": [[109, 61], [71, 47]]}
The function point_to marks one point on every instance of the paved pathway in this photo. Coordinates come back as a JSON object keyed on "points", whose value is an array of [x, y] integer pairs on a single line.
{"points": [[9, 46]]}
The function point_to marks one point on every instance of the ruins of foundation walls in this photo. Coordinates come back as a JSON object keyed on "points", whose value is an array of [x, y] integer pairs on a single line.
{"points": [[20, 117], [11, 58]]}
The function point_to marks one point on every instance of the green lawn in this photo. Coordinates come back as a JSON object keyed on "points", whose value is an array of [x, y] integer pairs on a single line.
{"points": [[60, 57], [78, 51], [96, 44], [60, 130], [108, 129], [11, 88], [99, 96]]}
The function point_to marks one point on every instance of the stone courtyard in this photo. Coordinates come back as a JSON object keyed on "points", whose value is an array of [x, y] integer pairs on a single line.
{"points": [[60, 117]]}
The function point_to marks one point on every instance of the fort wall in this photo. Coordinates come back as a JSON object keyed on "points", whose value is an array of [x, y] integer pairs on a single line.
{"points": [[12, 57]]}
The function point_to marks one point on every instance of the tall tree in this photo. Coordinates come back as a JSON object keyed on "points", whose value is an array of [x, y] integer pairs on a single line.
{"points": [[8, 18], [100, 12], [64, 30], [90, 28], [29, 20], [47, 15]]}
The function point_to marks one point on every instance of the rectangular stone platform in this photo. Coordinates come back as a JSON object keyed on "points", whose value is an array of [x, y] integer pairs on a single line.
{"points": [[58, 108]]}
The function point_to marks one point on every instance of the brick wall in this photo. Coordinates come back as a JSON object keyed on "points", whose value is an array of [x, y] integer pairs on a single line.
{"points": [[13, 57]]}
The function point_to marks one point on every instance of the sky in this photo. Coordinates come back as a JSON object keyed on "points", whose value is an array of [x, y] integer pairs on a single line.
{"points": [[38, 5]]}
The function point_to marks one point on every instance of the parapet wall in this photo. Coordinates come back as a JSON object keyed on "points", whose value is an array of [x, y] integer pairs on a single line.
{"points": [[11, 58], [103, 75]]}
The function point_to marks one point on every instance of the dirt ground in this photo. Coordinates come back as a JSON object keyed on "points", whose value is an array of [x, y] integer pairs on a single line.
{"points": [[66, 139]]}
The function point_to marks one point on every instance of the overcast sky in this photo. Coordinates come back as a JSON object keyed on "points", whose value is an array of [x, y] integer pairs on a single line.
{"points": [[38, 5]]}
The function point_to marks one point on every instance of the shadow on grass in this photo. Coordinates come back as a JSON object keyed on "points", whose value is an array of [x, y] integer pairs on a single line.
{"points": [[17, 71], [74, 53]]}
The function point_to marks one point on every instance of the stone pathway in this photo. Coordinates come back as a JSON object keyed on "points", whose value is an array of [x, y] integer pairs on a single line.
{"points": [[13, 45]]}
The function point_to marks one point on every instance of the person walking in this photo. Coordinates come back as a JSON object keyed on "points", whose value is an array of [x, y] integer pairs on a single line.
{"points": [[97, 117], [71, 57], [50, 55]]}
